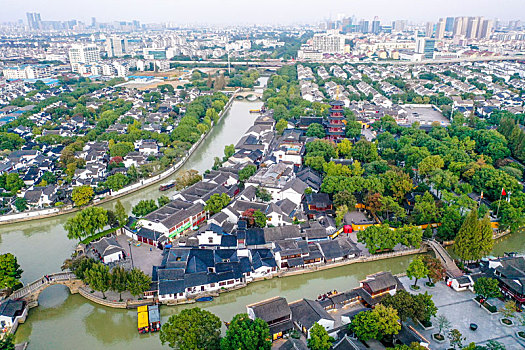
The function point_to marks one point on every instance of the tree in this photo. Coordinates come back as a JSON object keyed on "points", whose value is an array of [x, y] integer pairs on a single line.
{"points": [[86, 222], [245, 333], [246, 172], [119, 280], [259, 218], [8, 342], [280, 126], [365, 325], [144, 207], [162, 201], [397, 183], [20, 203], [486, 242], [121, 149], [138, 282], [192, 329], [229, 150], [116, 182], [486, 288], [345, 198], [344, 148], [99, 278], [319, 338], [217, 202], [82, 195], [436, 271], [120, 213], [425, 209], [263, 194], [430, 164], [388, 323], [379, 237], [365, 151], [10, 271], [315, 130], [340, 213], [418, 307], [468, 243], [508, 310], [417, 270], [443, 324], [456, 338]]}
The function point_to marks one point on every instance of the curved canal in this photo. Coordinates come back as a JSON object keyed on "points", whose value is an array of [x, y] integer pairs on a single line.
{"points": [[64, 321]]}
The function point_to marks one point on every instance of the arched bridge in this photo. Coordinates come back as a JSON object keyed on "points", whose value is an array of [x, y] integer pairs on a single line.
{"points": [[249, 95], [445, 258], [30, 292]]}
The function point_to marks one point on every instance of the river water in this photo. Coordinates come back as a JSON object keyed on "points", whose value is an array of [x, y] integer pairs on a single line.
{"points": [[64, 321]]}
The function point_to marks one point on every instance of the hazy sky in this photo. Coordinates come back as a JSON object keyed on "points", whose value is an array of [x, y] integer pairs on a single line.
{"points": [[257, 11]]}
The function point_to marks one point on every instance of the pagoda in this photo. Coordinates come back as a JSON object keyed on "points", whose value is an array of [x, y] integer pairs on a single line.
{"points": [[335, 120]]}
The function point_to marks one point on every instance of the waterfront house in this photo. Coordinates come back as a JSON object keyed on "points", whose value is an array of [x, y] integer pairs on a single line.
{"points": [[11, 313], [510, 273], [108, 250], [376, 286], [306, 313], [276, 312]]}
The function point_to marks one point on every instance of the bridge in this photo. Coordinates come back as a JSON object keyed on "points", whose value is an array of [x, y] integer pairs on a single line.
{"points": [[249, 95], [31, 291], [444, 257]]}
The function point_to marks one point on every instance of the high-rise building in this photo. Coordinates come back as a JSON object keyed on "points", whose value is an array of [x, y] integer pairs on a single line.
{"points": [[376, 26], [399, 26], [83, 54], [116, 46], [34, 21], [426, 47], [429, 29], [329, 43], [449, 24], [440, 29], [363, 26], [485, 29], [472, 27]]}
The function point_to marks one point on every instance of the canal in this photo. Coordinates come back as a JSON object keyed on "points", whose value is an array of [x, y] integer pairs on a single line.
{"points": [[64, 321]]}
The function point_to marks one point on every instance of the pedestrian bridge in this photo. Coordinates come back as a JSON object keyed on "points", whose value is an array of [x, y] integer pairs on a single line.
{"points": [[444, 257], [31, 292], [248, 95]]}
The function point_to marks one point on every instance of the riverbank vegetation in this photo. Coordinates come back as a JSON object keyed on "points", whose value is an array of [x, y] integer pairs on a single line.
{"points": [[10, 272]]}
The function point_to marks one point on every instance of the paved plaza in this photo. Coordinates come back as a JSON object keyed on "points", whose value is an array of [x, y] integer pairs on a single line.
{"points": [[461, 311], [144, 255]]}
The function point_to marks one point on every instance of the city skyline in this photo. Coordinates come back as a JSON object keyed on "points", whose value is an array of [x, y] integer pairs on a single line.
{"points": [[274, 12]]}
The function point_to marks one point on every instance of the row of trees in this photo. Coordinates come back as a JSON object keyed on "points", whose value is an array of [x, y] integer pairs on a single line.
{"points": [[93, 219], [379, 238], [100, 278]]}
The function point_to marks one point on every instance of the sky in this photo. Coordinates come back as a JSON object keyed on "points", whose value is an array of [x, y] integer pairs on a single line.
{"points": [[257, 11]]}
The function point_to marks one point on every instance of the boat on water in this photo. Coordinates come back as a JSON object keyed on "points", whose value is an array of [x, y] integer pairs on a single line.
{"points": [[154, 318], [165, 187], [142, 319], [255, 111], [204, 299]]}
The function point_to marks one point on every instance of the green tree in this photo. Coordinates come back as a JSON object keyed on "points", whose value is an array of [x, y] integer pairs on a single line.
{"points": [[280, 126], [365, 151], [192, 329], [7, 342], [379, 237], [144, 207], [217, 202], [315, 130], [443, 324], [471, 241], [229, 150], [116, 182], [82, 195], [119, 280], [246, 172], [508, 310], [345, 198], [388, 323], [86, 222], [365, 325], [259, 218], [340, 213], [245, 333], [430, 164], [263, 194], [121, 149], [162, 201], [20, 203], [99, 278], [138, 282], [486, 288], [319, 338], [120, 213], [10, 271], [344, 148], [456, 338], [417, 269], [436, 271], [425, 209]]}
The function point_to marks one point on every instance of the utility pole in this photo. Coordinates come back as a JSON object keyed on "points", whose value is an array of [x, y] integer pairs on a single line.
{"points": [[130, 254]]}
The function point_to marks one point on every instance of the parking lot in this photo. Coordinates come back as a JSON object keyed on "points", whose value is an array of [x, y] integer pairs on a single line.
{"points": [[461, 311], [425, 115]]}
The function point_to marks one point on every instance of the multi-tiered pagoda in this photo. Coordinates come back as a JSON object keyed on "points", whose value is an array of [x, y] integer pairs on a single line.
{"points": [[335, 120]]}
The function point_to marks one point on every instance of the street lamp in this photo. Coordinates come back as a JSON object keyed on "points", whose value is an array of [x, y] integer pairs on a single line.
{"points": [[130, 254]]}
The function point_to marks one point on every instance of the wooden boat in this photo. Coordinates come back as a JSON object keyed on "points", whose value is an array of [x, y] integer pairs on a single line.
{"points": [[165, 187]]}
